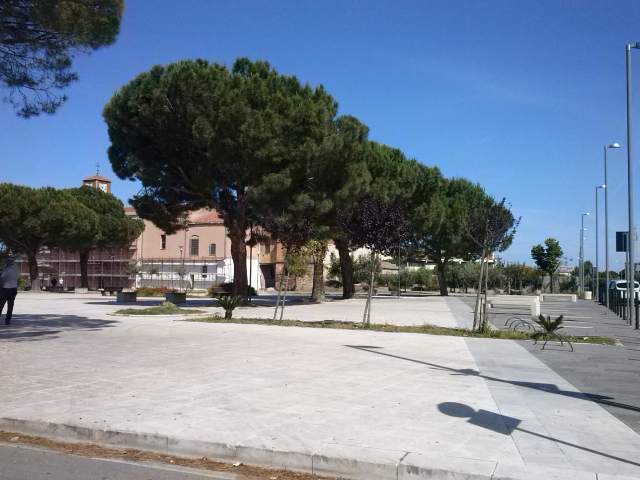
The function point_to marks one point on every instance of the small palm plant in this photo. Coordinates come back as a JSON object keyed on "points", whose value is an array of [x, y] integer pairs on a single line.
{"points": [[229, 303], [549, 330]]}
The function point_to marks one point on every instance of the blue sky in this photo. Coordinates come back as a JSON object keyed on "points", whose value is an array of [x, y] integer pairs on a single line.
{"points": [[519, 96]]}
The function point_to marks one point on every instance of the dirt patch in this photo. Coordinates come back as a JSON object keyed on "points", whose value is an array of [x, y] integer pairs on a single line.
{"points": [[247, 472]]}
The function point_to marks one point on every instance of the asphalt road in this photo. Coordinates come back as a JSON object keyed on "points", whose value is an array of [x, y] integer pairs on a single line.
{"points": [[20, 462]]}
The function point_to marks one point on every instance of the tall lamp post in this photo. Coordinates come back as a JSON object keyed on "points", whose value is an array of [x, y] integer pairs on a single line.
{"points": [[631, 236], [582, 253], [606, 218], [596, 284]]}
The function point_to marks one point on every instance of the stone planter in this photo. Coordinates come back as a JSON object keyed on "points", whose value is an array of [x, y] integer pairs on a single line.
{"points": [[126, 297], [176, 297]]}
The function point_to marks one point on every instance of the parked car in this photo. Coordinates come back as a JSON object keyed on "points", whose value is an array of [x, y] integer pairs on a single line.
{"points": [[621, 286]]}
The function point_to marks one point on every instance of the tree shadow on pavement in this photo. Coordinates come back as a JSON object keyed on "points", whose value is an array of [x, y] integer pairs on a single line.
{"points": [[543, 387], [48, 326]]}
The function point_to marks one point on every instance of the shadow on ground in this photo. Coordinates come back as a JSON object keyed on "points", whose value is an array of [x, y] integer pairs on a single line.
{"points": [[496, 422], [43, 327], [543, 387]]}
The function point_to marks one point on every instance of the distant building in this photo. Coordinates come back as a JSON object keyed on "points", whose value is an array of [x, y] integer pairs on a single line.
{"points": [[198, 255], [98, 182]]}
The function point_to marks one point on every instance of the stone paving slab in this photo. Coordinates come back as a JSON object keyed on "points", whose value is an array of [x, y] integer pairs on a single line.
{"points": [[447, 404]]}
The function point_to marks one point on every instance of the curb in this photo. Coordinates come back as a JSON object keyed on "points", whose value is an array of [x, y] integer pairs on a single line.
{"points": [[330, 461]]}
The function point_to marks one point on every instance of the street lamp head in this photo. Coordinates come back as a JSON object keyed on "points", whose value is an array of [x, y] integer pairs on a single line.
{"points": [[586, 213], [601, 186], [634, 45], [613, 145]]}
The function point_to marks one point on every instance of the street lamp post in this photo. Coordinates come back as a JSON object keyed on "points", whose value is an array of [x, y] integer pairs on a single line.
{"points": [[582, 253], [630, 235], [597, 280], [606, 218]]}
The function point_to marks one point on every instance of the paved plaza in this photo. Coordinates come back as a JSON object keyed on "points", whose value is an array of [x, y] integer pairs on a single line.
{"points": [[359, 403]]}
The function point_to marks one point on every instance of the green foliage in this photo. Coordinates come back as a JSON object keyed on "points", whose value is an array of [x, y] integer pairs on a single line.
{"points": [[549, 329], [296, 262], [40, 38], [113, 229], [197, 134], [547, 257], [423, 329], [549, 326], [166, 308], [31, 218], [23, 283], [229, 303]]}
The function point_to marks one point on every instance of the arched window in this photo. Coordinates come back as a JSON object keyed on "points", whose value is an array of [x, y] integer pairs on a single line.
{"points": [[194, 246]]}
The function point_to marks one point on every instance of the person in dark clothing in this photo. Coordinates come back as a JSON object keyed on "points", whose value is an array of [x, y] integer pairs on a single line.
{"points": [[8, 288]]}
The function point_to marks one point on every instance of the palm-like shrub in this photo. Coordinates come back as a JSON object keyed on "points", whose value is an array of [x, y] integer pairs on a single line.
{"points": [[229, 303], [549, 329]]}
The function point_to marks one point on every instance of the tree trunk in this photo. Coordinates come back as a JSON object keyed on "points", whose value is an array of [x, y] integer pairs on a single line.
{"points": [[442, 281], [346, 268], [476, 311], [551, 278], [317, 292], [237, 235], [367, 308], [483, 326], [84, 267], [33, 271]]}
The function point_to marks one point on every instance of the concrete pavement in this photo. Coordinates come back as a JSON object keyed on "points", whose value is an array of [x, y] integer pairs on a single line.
{"points": [[356, 403]]}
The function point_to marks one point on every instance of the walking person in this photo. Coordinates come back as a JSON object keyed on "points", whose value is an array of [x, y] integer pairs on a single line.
{"points": [[8, 288]]}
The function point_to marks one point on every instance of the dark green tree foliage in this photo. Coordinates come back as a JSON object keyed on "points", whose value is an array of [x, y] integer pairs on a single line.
{"points": [[38, 41], [199, 135], [343, 178], [112, 229], [33, 218], [548, 257], [438, 220]]}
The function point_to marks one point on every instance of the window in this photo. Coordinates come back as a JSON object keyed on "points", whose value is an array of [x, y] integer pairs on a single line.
{"points": [[194, 246], [163, 242], [212, 249]]}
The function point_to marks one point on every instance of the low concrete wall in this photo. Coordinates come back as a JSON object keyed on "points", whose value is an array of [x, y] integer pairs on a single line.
{"points": [[530, 302], [569, 297]]}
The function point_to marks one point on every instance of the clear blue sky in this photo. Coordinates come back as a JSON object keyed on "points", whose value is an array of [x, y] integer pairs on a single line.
{"points": [[517, 95]]}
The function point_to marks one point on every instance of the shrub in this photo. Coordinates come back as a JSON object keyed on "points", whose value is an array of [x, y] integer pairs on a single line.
{"points": [[229, 303], [153, 291], [226, 288]]}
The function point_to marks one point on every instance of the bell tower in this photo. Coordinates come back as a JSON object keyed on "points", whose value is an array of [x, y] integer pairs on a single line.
{"points": [[97, 181]]}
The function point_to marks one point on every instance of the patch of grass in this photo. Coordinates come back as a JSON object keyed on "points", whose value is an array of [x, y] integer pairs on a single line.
{"points": [[167, 308], [426, 329]]}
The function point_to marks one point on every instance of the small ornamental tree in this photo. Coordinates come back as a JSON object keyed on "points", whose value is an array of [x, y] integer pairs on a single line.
{"points": [[491, 226], [38, 41], [378, 225], [548, 257]]}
